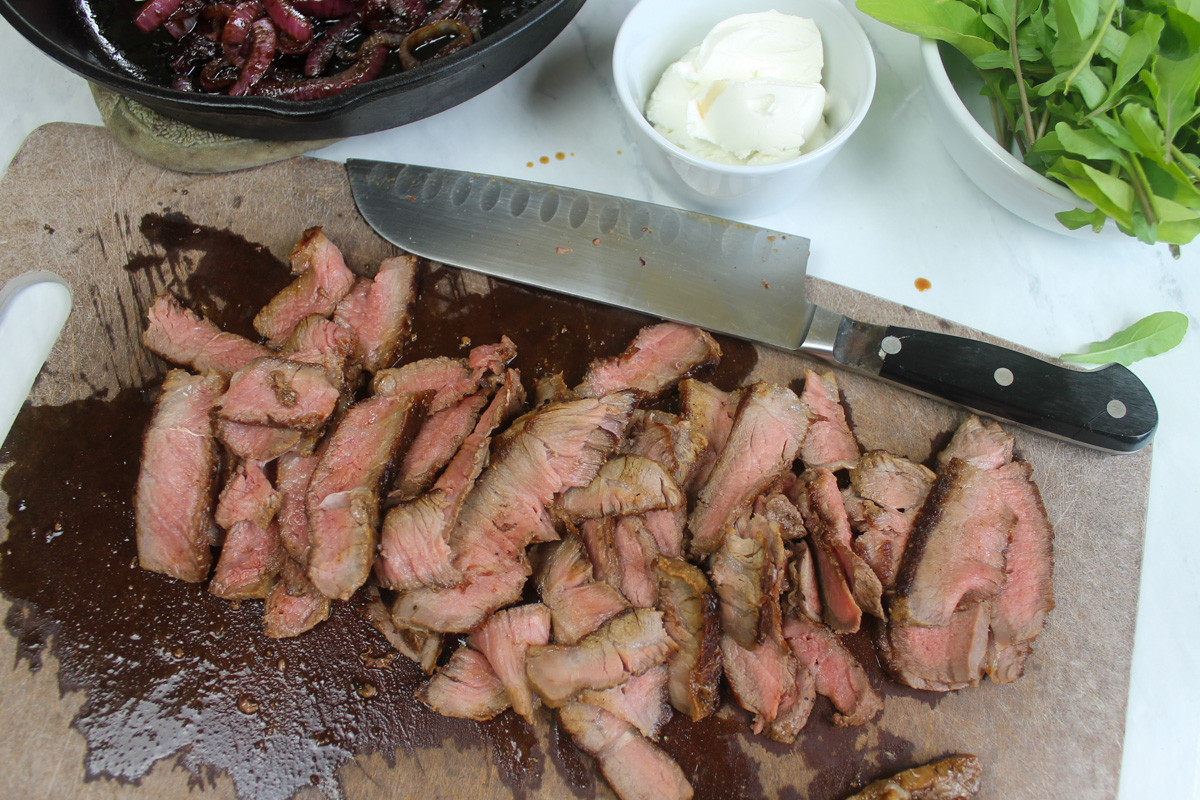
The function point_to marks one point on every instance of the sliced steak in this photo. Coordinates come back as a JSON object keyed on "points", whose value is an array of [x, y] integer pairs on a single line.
{"points": [[420, 646], [551, 389], [250, 559], [248, 496], [462, 608], [624, 646], [641, 701], [183, 338], [378, 311], [257, 442], [886, 493], [771, 684], [343, 494], [744, 573], [491, 359], [440, 437], [803, 598], [636, 553], [938, 659], [691, 617], [597, 537], [578, 603], [981, 444], [828, 442], [504, 639], [317, 340], [953, 778], [956, 553], [837, 674], [762, 445], [293, 605], [292, 475], [710, 412], [668, 529], [450, 379], [322, 281], [633, 766], [466, 688], [178, 479], [280, 393], [776, 507], [624, 485], [670, 440], [1019, 611], [658, 358]]}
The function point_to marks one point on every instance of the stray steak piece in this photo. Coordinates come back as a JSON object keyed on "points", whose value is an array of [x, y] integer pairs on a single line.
{"points": [[450, 379], [462, 608], [551, 389], [178, 479], [711, 412], [257, 442], [624, 646], [343, 494], [292, 475], [378, 311], [981, 444], [938, 659], [641, 701], [765, 438], [885, 495], [440, 437], [829, 442], [1020, 609], [625, 485], [183, 338], [691, 617], [952, 778], [504, 640], [836, 672], [658, 358], [250, 559], [322, 281], [248, 496], [294, 605], [633, 766], [280, 393], [956, 553], [466, 688], [578, 603], [417, 644]]}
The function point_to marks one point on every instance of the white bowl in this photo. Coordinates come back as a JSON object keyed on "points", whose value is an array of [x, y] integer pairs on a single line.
{"points": [[657, 32], [963, 119]]}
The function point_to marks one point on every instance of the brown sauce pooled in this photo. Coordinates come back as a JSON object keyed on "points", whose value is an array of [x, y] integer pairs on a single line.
{"points": [[209, 689]]}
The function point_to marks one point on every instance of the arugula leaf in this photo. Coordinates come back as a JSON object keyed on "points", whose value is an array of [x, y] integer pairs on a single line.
{"points": [[1088, 143], [1149, 336], [950, 21]]}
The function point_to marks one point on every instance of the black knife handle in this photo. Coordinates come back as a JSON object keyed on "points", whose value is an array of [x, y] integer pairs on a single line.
{"points": [[1108, 408]]}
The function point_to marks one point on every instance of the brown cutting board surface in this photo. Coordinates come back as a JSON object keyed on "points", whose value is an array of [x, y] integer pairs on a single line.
{"points": [[71, 204]]}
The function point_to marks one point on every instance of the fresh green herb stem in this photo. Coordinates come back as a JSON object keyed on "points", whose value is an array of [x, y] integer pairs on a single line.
{"points": [[1091, 51], [1026, 114], [1185, 162], [1141, 188]]}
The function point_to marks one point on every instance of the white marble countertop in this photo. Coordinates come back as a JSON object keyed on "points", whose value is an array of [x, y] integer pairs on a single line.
{"points": [[890, 209]]}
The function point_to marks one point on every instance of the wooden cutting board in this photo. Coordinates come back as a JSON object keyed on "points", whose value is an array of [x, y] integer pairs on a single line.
{"points": [[71, 203]]}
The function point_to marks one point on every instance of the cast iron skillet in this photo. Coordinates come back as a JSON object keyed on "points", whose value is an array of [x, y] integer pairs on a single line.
{"points": [[55, 27]]}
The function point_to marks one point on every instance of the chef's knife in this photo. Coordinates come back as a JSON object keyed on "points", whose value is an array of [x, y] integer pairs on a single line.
{"points": [[730, 278]]}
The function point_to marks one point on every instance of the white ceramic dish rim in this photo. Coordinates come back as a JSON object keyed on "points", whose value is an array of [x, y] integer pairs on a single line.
{"points": [[938, 78], [834, 142]]}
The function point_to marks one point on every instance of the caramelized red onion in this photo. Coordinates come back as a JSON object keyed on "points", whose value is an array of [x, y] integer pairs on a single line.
{"points": [[252, 46]]}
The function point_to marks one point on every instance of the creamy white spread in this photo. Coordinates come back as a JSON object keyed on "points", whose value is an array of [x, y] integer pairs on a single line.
{"points": [[750, 93]]}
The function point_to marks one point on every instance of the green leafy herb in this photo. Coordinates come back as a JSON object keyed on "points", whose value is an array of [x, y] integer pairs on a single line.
{"points": [[1147, 337], [1102, 96]]}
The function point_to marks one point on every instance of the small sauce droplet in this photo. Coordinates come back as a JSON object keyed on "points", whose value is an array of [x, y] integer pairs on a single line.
{"points": [[922, 284], [529, 163], [544, 160], [560, 156], [367, 691]]}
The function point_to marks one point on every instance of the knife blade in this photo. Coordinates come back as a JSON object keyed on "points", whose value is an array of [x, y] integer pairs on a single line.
{"points": [[730, 278]]}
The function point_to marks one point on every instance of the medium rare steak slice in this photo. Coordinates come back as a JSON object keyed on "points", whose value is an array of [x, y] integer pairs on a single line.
{"points": [[293, 472], [280, 393], [624, 646], [691, 617], [597, 536], [956, 553], [257, 442], [322, 281], [317, 340], [641, 701], [450, 379], [636, 553], [658, 358], [803, 598], [462, 608], [763, 443], [183, 338], [885, 495], [625, 485], [710, 411], [378, 311], [248, 496], [771, 684], [578, 603], [633, 766], [744, 573], [1020, 609], [440, 437], [836, 673], [504, 639], [466, 688], [981, 444], [178, 479], [668, 529], [953, 778], [938, 659], [828, 442], [293, 605], [250, 559], [343, 494], [670, 440]]}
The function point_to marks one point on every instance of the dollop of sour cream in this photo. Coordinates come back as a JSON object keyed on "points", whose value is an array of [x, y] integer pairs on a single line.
{"points": [[750, 93]]}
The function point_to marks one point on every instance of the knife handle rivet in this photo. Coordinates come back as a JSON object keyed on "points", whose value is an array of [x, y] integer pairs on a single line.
{"points": [[890, 345], [1116, 409], [1003, 376]]}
